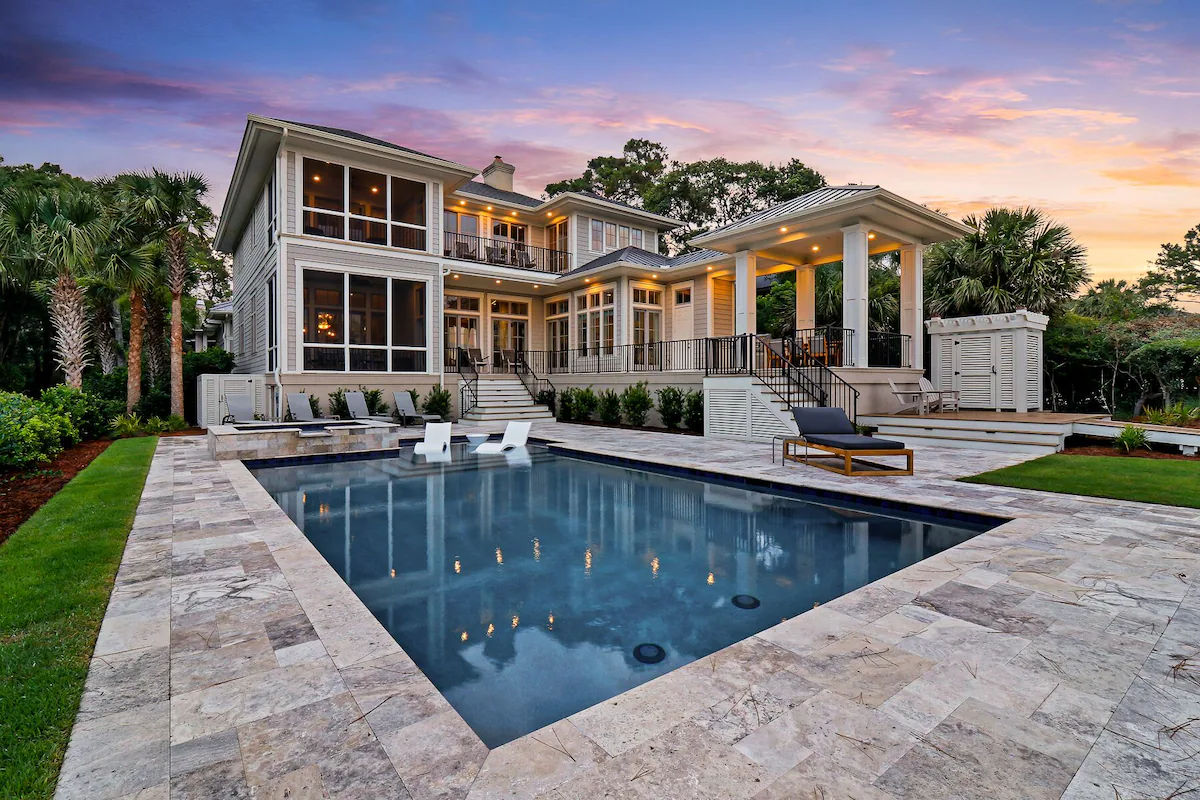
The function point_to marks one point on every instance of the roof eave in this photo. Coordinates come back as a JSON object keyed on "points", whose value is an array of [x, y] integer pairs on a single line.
{"points": [[582, 199], [236, 212]]}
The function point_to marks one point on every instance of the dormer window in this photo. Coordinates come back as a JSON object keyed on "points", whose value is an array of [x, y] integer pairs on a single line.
{"points": [[359, 205]]}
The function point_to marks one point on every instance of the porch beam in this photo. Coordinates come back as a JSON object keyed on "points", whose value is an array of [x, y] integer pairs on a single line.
{"points": [[745, 300], [912, 301], [854, 288]]}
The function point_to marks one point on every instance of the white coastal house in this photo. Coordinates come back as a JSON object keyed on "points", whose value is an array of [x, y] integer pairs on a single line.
{"points": [[362, 262]]}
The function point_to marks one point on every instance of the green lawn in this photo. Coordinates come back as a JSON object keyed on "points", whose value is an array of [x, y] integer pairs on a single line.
{"points": [[56, 573], [1147, 480]]}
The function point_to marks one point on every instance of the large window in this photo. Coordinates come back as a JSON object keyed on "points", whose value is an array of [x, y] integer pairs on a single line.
{"points": [[362, 206], [647, 323], [597, 242], [610, 236], [623, 236], [637, 238], [346, 323], [595, 321]]}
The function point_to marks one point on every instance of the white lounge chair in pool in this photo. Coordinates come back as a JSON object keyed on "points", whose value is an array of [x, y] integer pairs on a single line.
{"points": [[406, 410], [240, 408], [437, 442], [357, 403], [299, 408], [515, 435]]}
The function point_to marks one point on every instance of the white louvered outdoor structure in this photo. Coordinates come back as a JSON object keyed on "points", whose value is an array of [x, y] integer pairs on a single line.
{"points": [[993, 361], [212, 389]]}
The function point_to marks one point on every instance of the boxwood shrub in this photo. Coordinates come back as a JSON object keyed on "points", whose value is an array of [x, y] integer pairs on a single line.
{"points": [[31, 431]]}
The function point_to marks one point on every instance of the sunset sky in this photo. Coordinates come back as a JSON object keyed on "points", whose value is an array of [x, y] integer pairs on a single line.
{"points": [[1089, 109]]}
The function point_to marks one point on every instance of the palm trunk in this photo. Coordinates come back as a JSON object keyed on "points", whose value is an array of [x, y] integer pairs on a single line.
{"points": [[133, 384], [176, 278], [102, 335], [68, 309], [154, 341]]}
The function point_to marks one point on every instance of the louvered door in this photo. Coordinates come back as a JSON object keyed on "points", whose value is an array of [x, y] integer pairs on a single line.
{"points": [[975, 370]]}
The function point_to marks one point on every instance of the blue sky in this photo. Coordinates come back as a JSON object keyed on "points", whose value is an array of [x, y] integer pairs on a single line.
{"points": [[1088, 109]]}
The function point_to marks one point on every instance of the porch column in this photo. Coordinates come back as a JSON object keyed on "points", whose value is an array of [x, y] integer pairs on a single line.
{"points": [[912, 301], [745, 318], [854, 289], [806, 297]]}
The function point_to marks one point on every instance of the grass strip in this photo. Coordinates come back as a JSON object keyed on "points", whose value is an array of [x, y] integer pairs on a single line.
{"points": [[1147, 480], [56, 573]]}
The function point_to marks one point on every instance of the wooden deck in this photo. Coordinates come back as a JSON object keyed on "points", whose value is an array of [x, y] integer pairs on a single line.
{"points": [[1031, 417]]}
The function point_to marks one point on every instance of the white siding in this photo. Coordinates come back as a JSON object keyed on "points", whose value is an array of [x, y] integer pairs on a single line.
{"points": [[253, 264]]}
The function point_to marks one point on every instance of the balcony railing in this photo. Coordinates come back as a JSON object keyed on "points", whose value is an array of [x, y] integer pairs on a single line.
{"points": [[834, 347], [505, 253]]}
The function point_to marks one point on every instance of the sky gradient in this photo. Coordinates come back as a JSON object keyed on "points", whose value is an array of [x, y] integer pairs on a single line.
{"points": [[1088, 109]]}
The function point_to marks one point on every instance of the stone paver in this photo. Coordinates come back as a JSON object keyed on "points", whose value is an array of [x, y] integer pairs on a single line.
{"points": [[1056, 655]]}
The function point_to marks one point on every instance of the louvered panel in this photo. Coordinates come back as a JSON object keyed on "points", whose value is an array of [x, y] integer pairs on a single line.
{"points": [[726, 412], [944, 365], [1033, 371], [763, 422], [976, 381], [1007, 369]]}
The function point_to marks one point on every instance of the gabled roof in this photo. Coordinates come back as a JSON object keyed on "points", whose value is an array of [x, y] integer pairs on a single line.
{"points": [[357, 137], [478, 189], [817, 197]]}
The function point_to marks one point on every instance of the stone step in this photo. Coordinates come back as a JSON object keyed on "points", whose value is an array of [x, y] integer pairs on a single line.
{"points": [[1002, 445], [1051, 439], [485, 414]]}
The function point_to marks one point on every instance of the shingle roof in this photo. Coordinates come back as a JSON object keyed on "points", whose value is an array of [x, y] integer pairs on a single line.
{"points": [[478, 189], [359, 137], [636, 255], [818, 197]]}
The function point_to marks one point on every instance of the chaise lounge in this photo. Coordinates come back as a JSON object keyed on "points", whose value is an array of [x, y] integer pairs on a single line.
{"points": [[830, 431]]}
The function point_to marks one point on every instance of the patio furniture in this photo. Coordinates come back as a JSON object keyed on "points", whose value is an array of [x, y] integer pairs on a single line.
{"points": [[524, 260], [940, 399], [830, 431], [516, 434], [464, 251], [507, 360], [299, 408], [913, 399], [475, 357], [437, 440], [406, 409], [497, 255], [357, 403], [240, 408]]}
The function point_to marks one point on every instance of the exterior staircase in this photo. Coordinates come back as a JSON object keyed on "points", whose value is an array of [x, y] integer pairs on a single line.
{"points": [[504, 397], [1017, 436]]}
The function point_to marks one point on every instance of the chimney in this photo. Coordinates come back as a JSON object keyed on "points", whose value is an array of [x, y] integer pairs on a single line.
{"points": [[499, 175]]}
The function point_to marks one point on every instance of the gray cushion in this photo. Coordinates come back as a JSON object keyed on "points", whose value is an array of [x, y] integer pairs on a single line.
{"points": [[852, 441], [822, 420]]}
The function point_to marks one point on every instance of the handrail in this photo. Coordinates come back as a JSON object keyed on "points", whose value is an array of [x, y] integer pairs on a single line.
{"points": [[504, 253], [790, 373], [534, 383], [469, 390]]}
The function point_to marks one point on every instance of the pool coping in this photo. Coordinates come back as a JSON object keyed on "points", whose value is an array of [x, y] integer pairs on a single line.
{"points": [[436, 754]]}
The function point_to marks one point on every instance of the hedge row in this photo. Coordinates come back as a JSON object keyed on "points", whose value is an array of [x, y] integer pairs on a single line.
{"points": [[674, 406]]}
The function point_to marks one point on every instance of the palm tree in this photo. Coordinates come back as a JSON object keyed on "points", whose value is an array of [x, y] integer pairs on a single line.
{"points": [[171, 204], [1014, 258], [49, 239]]}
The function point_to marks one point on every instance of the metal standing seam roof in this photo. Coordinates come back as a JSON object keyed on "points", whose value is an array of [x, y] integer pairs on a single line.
{"points": [[813, 199], [640, 257], [477, 189]]}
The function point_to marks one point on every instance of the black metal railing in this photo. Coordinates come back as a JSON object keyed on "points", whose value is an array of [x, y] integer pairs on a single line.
{"points": [[468, 391], [885, 349], [833, 347], [794, 377], [540, 389], [671, 356], [504, 253]]}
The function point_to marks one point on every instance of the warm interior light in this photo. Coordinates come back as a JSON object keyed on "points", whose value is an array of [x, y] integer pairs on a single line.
{"points": [[374, 190], [489, 208], [655, 275], [462, 202], [816, 247], [870, 236], [783, 230], [535, 286], [587, 280], [549, 213], [497, 280], [455, 277], [710, 269], [317, 178], [324, 321]]}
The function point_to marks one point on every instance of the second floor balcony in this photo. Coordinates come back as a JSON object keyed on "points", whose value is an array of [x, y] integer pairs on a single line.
{"points": [[505, 253]]}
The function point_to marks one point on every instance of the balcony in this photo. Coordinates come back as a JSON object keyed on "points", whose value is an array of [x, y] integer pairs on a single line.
{"points": [[505, 253]]}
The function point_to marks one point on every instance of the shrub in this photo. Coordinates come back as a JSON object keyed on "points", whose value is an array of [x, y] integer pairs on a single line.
{"points": [[107, 387], [91, 415], [155, 402], [670, 406], [610, 407], [566, 404], [693, 410], [176, 423], [375, 402], [337, 404], [31, 432], [155, 426], [585, 403], [546, 398], [636, 403], [128, 425], [438, 402], [1131, 438]]}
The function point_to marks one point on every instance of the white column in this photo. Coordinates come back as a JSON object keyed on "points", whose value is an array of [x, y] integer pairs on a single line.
{"points": [[912, 301], [745, 299], [806, 297], [854, 288]]}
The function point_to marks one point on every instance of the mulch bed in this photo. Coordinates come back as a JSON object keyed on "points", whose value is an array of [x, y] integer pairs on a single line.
{"points": [[22, 492], [1102, 450], [186, 432]]}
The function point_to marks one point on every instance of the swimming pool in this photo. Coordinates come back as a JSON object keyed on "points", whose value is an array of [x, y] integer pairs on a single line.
{"points": [[530, 588]]}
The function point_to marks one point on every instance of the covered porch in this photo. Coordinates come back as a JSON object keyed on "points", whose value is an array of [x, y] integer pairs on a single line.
{"points": [[846, 224]]}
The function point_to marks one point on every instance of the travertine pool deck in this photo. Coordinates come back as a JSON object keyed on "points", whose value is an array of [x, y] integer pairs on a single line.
{"points": [[1056, 655]]}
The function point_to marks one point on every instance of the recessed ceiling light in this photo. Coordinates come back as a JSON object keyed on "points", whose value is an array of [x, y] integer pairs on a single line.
{"points": [[497, 280], [374, 190], [710, 269], [455, 277], [870, 236], [587, 280], [489, 208], [535, 286], [816, 247], [549, 213], [317, 178], [462, 202], [783, 230], [655, 275]]}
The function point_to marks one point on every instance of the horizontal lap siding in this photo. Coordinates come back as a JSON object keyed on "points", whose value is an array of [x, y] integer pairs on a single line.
{"points": [[700, 308], [290, 222], [722, 308], [253, 264]]}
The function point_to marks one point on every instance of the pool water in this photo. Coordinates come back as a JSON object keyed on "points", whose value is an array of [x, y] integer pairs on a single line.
{"points": [[523, 586]]}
